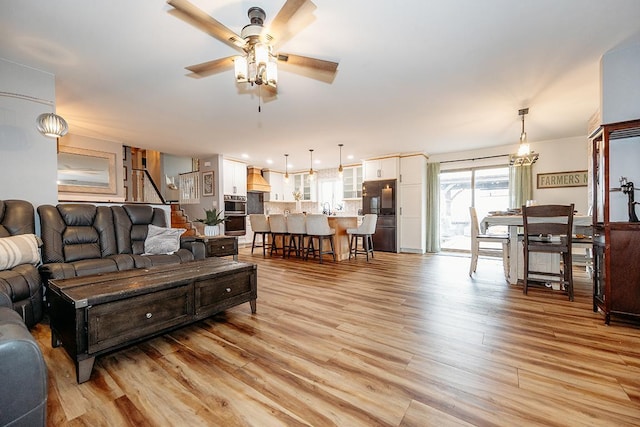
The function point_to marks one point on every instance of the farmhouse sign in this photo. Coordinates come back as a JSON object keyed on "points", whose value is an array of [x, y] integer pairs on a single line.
{"points": [[562, 179]]}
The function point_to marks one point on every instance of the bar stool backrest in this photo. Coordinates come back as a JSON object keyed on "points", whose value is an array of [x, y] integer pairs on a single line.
{"points": [[278, 223], [259, 223], [318, 225], [296, 223]]}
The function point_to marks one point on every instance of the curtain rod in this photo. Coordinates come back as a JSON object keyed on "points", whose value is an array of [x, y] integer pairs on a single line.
{"points": [[476, 158]]}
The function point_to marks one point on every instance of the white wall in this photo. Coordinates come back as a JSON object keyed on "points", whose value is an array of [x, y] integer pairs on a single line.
{"points": [[620, 84], [563, 155], [28, 160]]}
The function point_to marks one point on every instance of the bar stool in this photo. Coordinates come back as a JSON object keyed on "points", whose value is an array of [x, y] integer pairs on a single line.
{"points": [[296, 226], [278, 224], [366, 230], [259, 225], [318, 228]]}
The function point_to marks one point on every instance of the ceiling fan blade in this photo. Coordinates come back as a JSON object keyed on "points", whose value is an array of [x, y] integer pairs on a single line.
{"points": [[318, 69], [292, 17], [305, 61], [199, 19], [210, 67]]}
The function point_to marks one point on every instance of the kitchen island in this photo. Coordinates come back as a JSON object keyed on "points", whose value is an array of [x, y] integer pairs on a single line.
{"points": [[341, 238]]}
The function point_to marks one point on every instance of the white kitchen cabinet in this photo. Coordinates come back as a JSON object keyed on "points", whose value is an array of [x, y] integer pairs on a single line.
{"points": [[306, 186], [378, 169], [234, 178], [413, 204], [413, 169], [276, 181], [352, 182]]}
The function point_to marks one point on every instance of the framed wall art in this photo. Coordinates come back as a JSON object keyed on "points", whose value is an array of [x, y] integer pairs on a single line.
{"points": [[208, 187], [86, 171], [562, 179]]}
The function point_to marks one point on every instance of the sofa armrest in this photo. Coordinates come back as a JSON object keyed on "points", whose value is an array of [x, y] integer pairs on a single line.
{"points": [[196, 247], [23, 396], [5, 299]]}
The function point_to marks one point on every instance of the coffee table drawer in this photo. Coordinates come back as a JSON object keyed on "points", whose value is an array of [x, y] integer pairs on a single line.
{"points": [[118, 322], [211, 294]]}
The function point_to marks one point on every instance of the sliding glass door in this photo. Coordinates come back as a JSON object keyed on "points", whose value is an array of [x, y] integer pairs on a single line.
{"points": [[487, 189]]}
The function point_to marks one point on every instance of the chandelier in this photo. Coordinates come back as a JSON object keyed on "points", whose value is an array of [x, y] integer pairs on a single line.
{"points": [[258, 64], [524, 156]]}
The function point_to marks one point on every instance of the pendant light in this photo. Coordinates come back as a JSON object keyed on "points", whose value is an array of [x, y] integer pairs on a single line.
{"points": [[340, 168], [311, 164], [286, 168], [524, 156]]}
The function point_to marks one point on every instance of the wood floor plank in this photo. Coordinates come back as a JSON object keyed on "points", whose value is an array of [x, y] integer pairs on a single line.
{"points": [[402, 340]]}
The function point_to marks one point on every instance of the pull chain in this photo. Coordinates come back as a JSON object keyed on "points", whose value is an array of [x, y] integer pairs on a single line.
{"points": [[259, 98]]}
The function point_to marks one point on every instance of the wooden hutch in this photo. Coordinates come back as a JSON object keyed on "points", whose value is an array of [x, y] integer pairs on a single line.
{"points": [[616, 230]]}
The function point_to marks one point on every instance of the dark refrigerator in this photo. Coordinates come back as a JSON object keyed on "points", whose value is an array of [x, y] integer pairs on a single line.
{"points": [[379, 197]]}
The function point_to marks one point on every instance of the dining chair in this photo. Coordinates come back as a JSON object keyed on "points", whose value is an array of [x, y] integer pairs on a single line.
{"points": [[278, 224], [548, 229], [365, 232], [296, 226], [485, 244], [318, 229], [260, 226]]}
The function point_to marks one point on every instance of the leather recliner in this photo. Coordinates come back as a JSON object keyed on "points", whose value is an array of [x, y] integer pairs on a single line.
{"points": [[23, 374], [20, 286]]}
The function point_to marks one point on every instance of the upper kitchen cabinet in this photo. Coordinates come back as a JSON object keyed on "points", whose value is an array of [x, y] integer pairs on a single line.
{"points": [[352, 182], [234, 177], [306, 186], [378, 169], [281, 190]]}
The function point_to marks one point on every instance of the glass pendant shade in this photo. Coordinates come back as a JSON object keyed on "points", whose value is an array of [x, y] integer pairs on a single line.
{"points": [[52, 125], [240, 68]]}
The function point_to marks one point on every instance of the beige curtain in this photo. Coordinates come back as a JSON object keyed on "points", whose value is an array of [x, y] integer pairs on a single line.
{"points": [[520, 185], [433, 207]]}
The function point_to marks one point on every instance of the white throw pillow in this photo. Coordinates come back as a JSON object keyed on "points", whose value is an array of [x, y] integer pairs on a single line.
{"points": [[20, 249], [162, 241]]}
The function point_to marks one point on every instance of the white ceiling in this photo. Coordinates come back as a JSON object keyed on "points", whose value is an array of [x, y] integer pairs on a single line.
{"points": [[423, 75]]}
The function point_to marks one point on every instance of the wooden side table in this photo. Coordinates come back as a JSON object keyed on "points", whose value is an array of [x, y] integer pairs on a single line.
{"points": [[219, 246]]}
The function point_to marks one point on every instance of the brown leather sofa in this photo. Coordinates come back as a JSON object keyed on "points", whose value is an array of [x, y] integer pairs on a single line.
{"points": [[83, 239], [20, 286]]}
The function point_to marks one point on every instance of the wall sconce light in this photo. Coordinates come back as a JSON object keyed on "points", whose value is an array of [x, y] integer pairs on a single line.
{"points": [[52, 125]]}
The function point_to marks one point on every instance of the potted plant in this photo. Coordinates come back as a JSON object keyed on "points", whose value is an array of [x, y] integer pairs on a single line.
{"points": [[212, 222]]}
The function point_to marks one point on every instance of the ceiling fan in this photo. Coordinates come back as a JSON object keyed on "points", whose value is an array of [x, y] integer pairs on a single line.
{"points": [[257, 63]]}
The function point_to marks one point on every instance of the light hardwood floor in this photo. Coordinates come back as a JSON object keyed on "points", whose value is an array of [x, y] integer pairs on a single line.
{"points": [[405, 340]]}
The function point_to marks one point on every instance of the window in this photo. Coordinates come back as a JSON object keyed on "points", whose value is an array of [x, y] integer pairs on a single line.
{"points": [[487, 189]]}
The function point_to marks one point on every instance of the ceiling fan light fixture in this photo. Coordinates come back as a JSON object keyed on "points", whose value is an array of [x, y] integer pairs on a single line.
{"points": [[240, 69], [52, 125]]}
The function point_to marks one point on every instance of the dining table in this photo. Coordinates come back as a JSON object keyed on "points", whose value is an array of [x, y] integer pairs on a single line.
{"points": [[516, 256]]}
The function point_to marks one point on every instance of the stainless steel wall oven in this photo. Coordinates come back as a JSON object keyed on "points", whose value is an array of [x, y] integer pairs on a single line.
{"points": [[235, 213]]}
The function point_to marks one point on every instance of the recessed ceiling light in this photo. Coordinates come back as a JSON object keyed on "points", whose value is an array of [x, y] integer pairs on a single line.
{"points": [[269, 161], [350, 157], [245, 155]]}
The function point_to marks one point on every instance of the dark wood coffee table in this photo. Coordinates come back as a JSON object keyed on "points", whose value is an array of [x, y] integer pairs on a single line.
{"points": [[93, 315]]}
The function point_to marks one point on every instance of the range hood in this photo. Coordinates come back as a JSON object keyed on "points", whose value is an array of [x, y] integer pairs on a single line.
{"points": [[255, 181]]}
